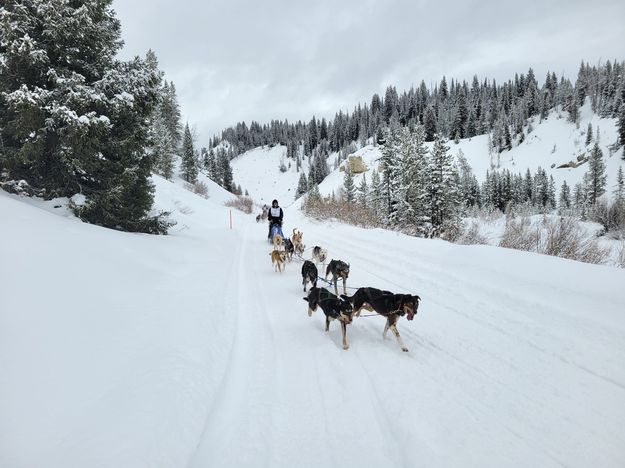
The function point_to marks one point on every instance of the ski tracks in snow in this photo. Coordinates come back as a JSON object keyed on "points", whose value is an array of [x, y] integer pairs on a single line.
{"points": [[487, 376]]}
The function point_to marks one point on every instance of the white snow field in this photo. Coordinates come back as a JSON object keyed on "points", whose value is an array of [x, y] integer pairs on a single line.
{"points": [[188, 350]]}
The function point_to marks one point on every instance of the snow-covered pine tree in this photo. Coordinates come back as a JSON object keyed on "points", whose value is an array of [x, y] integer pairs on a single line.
{"points": [[226, 171], [375, 193], [410, 198], [302, 186], [621, 123], [162, 147], [72, 118], [441, 188], [363, 191], [551, 198], [596, 175], [348, 186], [171, 112], [589, 134], [188, 165], [389, 165], [564, 201], [619, 190]]}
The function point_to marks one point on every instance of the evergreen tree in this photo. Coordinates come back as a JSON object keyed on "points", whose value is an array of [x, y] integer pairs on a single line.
{"points": [[565, 196], [302, 186], [226, 170], [162, 147], [348, 185], [72, 118], [189, 163], [596, 175], [443, 192], [390, 171], [619, 191], [621, 123], [363, 191], [171, 112], [375, 193], [551, 199], [589, 134]]}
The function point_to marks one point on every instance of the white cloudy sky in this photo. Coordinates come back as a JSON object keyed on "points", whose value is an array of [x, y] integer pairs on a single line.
{"points": [[234, 60]]}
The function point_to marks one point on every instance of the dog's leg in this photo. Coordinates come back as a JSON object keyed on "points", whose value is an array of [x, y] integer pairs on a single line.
{"points": [[344, 332], [336, 289], [401, 343], [344, 287], [327, 323], [388, 319]]}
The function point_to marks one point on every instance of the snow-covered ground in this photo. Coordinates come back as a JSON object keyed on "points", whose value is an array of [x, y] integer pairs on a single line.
{"points": [[126, 350]]}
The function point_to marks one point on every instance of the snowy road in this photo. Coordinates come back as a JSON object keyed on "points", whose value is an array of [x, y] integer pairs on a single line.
{"points": [[510, 363], [121, 350]]}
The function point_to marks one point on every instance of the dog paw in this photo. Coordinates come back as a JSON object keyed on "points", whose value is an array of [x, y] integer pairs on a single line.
{"points": [[405, 350], [347, 347]]}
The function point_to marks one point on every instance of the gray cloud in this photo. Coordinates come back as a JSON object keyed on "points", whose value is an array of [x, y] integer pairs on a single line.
{"points": [[239, 60]]}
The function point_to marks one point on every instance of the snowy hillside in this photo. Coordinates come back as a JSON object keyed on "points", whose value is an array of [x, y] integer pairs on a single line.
{"points": [[258, 172], [126, 350], [551, 143]]}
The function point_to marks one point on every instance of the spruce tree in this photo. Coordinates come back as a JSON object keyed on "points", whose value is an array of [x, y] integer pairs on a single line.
{"points": [[596, 175], [442, 188], [72, 118], [363, 191], [302, 186], [189, 163], [619, 191], [565, 196], [589, 134], [226, 170], [348, 186], [621, 123], [163, 147]]}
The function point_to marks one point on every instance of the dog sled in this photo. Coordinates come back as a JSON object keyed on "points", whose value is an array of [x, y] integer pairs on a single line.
{"points": [[275, 229]]}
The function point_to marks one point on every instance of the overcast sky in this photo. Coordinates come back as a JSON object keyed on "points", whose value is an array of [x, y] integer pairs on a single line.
{"points": [[234, 60]]}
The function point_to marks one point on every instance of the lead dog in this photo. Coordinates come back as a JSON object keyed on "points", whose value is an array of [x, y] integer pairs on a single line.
{"points": [[277, 259], [362, 299], [392, 306], [309, 273], [339, 269], [334, 308]]}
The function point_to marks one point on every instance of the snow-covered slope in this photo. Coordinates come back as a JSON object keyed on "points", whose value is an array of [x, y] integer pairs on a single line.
{"points": [[553, 142], [126, 350], [258, 172]]}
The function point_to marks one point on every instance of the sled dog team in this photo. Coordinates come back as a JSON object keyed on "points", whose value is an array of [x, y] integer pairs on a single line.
{"points": [[342, 307]]}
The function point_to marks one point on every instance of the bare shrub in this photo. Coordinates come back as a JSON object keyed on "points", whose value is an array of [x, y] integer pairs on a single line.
{"points": [[566, 239], [201, 189], [620, 259], [562, 237], [472, 236], [519, 234], [323, 208], [243, 203]]}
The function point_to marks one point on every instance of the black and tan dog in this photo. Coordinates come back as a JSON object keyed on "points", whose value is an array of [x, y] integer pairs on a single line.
{"points": [[277, 259], [390, 305], [362, 299], [339, 269], [289, 249], [309, 274], [334, 308]]}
